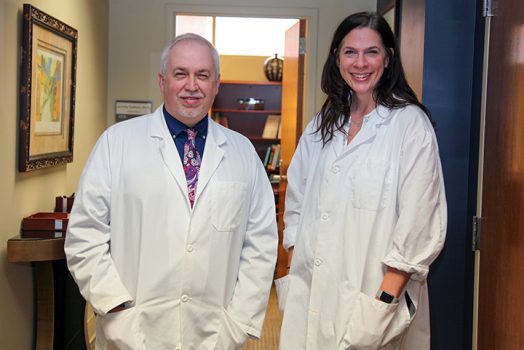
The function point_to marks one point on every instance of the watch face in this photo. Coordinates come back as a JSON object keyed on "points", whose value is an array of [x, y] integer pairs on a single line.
{"points": [[386, 297]]}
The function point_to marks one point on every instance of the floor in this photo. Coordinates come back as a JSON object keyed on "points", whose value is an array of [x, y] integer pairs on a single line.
{"points": [[271, 331]]}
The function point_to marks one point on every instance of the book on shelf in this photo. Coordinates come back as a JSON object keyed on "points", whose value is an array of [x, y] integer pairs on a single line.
{"points": [[215, 116], [271, 155], [266, 157], [274, 158], [220, 119], [224, 121], [271, 126]]}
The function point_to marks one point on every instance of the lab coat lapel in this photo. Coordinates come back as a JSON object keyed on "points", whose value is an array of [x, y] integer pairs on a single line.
{"points": [[213, 154], [368, 132], [168, 151]]}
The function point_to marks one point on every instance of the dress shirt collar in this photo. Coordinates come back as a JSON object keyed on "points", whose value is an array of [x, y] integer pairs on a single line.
{"points": [[176, 127]]}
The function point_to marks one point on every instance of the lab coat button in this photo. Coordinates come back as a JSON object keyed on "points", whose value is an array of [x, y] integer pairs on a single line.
{"points": [[335, 169], [184, 298], [189, 248], [318, 262], [325, 216]]}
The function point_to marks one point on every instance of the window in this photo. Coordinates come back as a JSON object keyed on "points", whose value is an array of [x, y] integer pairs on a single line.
{"points": [[257, 37], [202, 25]]}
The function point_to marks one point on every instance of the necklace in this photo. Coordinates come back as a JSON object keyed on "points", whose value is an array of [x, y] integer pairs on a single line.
{"points": [[354, 128]]}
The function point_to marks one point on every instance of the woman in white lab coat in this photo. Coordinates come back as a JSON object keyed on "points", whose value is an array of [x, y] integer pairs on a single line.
{"points": [[365, 206]]}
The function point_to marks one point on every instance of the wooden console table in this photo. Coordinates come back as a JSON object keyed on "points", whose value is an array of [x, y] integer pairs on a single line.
{"points": [[33, 250], [41, 253]]}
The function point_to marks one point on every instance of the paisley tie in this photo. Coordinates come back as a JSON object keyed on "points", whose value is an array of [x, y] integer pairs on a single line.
{"points": [[191, 164]]}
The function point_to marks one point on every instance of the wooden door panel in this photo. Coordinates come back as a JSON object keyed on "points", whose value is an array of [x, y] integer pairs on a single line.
{"points": [[501, 281], [291, 122], [412, 27]]}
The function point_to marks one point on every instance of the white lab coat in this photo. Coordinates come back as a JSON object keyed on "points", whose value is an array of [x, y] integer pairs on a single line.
{"points": [[197, 279], [352, 210]]}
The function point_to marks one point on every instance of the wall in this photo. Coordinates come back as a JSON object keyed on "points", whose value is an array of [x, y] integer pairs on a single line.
{"points": [[143, 24], [26, 193], [248, 68]]}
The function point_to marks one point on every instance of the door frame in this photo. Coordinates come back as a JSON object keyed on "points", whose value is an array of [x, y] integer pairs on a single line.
{"points": [[480, 178], [309, 14]]}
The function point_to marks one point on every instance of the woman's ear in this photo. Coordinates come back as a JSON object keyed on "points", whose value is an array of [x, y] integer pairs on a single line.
{"points": [[392, 52], [337, 60]]}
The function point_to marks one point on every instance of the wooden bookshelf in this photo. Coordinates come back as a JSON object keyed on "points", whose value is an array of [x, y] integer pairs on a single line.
{"points": [[248, 122]]}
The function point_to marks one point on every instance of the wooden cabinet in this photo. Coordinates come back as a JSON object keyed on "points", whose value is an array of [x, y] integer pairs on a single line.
{"points": [[59, 307], [228, 111]]}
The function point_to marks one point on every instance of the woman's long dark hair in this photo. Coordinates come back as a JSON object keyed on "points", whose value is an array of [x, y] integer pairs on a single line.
{"points": [[392, 90]]}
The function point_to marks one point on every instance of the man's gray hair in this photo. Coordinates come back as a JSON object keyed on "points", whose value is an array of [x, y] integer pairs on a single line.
{"points": [[193, 37]]}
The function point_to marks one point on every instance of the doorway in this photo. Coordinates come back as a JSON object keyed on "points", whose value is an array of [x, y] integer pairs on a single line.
{"points": [[310, 15], [242, 79]]}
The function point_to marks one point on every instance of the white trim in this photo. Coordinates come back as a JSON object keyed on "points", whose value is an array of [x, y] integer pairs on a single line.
{"points": [[307, 13], [480, 175]]}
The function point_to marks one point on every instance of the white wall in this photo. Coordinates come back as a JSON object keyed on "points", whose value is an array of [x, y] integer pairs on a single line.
{"points": [[139, 29], [25, 193]]}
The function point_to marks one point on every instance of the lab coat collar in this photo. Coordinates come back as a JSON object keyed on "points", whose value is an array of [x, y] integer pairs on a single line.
{"points": [[213, 155], [159, 130], [381, 114], [378, 117]]}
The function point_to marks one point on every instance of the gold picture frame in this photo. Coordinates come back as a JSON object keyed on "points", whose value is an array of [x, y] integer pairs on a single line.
{"points": [[47, 93]]}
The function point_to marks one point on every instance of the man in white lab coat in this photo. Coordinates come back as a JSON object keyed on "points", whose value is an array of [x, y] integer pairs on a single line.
{"points": [[172, 238]]}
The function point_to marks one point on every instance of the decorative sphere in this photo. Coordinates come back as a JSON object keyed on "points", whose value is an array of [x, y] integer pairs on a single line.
{"points": [[273, 67]]}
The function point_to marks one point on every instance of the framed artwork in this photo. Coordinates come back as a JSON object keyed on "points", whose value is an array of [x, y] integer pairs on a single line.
{"points": [[47, 93]]}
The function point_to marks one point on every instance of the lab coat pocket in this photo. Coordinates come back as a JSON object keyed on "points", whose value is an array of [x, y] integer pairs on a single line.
{"points": [[370, 183], [227, 204], [282, 288], [231, 336], [121, 330], [374, 324]]}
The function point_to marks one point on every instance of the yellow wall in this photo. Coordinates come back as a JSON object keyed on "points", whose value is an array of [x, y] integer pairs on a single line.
{"points": [[249, 68], [26, 193]]}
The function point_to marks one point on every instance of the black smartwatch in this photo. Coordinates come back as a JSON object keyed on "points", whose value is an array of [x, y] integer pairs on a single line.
{"points": [[386, 297]]}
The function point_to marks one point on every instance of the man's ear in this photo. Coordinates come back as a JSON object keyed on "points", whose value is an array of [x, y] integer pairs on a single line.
{"points": [[218, 84], [160, 81]]}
